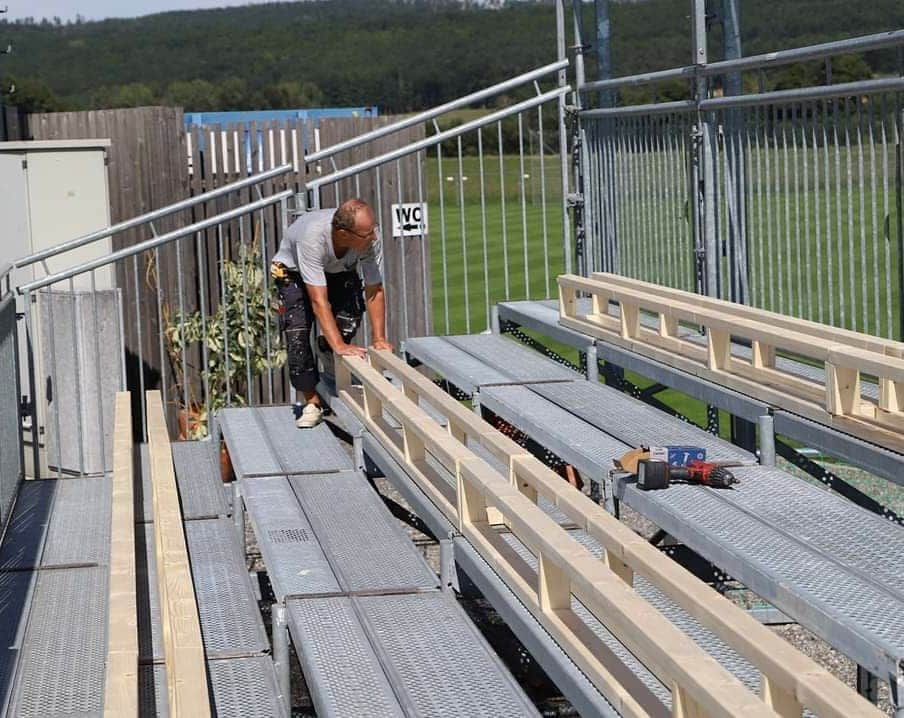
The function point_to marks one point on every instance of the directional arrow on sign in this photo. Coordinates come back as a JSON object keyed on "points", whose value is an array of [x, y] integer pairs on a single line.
{"points": [[410, 227]]}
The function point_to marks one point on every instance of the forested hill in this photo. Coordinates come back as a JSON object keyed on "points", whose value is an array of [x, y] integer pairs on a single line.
{"points": [[400, 55]]}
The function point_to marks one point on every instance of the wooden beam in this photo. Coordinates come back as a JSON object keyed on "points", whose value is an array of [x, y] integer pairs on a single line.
{"points": [[186, 669], [602, 584], [121, 683]]}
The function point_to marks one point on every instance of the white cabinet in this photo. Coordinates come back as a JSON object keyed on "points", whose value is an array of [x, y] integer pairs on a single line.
{"points": [[50, 192]]}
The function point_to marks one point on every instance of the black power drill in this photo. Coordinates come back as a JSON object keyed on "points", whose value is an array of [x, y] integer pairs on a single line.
{"points": [[653, 474]]}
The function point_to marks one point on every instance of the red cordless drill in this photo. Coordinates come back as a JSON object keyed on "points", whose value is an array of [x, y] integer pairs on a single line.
{"points": [[652, 474]]}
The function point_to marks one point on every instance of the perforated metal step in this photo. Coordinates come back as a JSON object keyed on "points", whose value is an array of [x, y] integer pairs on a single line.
{"points": [[293, 556], [199, 480], [860, 617], [59, 522], [230, 620], [340, 667], [584, 446], [15, 601], [301, 451], [544, 318], [249, 448], [458, 366], [245, 687], [631, 421], [364, 543], [63, 655], [152, 698], [513, 359], [439, 659]]}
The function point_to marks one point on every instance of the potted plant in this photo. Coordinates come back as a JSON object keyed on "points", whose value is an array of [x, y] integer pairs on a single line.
{"points": [[235, 335]]}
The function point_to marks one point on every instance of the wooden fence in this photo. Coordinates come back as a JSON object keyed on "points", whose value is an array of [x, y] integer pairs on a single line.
{"points": [[154, 161]]}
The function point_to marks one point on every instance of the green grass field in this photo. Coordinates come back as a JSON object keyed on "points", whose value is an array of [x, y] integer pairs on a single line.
{"points": [[498, 248]]}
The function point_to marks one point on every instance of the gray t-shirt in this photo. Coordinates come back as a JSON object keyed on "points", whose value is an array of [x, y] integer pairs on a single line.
{"points": [[307, 247]]}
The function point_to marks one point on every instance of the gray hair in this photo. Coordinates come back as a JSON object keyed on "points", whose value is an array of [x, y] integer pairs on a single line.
{"points": [[346, 216]]}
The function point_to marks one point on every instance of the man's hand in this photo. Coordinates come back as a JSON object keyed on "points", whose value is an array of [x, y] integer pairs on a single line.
{"points": [[350, 350], [382, 344]]}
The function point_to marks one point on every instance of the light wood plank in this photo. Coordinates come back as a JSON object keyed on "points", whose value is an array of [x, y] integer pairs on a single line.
{"points": [[121, 683], [186, 668]]}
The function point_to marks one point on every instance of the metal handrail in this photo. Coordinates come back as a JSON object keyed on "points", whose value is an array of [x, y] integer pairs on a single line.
{"points": [[769, 59], [437, 111], [439, 137], [822, 92], [155, 242], [151, 216]]}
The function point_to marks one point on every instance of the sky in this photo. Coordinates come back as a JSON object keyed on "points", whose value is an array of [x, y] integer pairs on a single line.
{"points": [[100, 9]]}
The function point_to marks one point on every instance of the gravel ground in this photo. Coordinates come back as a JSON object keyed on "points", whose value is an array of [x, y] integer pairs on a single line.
{"points": [[531, 677]]}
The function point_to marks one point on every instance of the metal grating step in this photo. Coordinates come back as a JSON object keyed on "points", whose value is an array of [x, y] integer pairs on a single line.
{"points": [[858, 539], [15, 601], [230, 619], [637, 424], [63, 655], [512, 358], [59, 522], [293, 556], [463, 370], [200, 483], [590, 450], [152, 697], [249, 449], [858, 617], [340, 667], [365, 545], [544, 318], [300, 451], [245, 687], [150, 625], [438, 659]]}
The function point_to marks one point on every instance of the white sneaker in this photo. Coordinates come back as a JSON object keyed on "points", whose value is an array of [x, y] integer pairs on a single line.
{"points": [[310, 417]]}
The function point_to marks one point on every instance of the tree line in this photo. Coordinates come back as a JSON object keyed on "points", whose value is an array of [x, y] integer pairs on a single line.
{"points": [[400, 55]]}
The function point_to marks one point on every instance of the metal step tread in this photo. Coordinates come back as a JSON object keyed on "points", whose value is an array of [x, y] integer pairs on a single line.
{"points": [[438, 658], [458, 366], [342, 671], [150, 624], [239, 687], [16, 589], [199, 480], [572, 439], [544, 318], [249, 449], [230, 618], [59, 522], [512, 358], [63, 656], [796, 573], [292, 554], [301, 451], [365, 545], [631, 421]]}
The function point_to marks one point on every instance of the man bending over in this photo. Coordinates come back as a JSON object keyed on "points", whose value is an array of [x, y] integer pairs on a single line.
{"points": [[318, 272]]}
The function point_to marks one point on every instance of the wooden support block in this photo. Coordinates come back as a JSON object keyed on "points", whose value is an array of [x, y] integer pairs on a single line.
{"points": [[413, 445], [568, 300], [343, 375], [599, 302], [630, 320], [668, 325], [683, 706], [373, 405], [719, 349], [842, 390], [763, 356], [891, 395], [781, 701], [619, 567], [553, 586]]}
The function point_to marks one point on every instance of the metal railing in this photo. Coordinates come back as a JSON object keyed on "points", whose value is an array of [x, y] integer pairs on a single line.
{"points": [[503, 233], [202, 315], [789, 200]]}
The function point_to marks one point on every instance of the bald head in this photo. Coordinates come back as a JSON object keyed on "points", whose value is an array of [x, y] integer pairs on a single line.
{"points": [[353, 215]]}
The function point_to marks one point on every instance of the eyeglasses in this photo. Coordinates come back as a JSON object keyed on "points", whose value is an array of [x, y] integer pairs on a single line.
{"points": [[369, 235]]}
